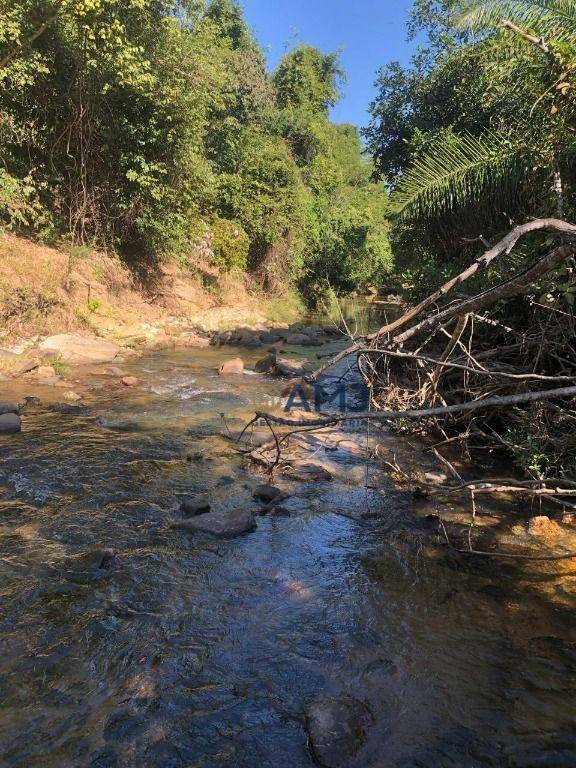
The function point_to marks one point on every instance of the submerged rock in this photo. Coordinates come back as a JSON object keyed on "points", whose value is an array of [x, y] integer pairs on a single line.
{"points": [[10, 424], [194, 506], [234, 367], [94, 560], [130, 381], [336, 728], [224, 524], [293, 368], [72, 397], [267, 493], [312, 469], [299, 388], [69, 409]]}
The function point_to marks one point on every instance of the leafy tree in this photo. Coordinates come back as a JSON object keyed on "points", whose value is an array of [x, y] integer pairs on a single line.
{"points": [[307, 78], [141, 124]]}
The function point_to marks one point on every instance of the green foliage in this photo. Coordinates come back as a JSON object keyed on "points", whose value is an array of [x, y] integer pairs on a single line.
{"points": [[472, 134], [457, 169], [545, 18], [143, 119], [61, 368], [307, 78], [230, 245], [93, 305]]}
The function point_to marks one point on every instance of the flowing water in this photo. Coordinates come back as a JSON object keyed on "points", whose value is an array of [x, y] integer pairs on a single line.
{"points": [[190, 651]]}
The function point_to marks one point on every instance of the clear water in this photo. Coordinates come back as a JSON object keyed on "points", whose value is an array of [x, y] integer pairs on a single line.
{"points": [[190, 651]]}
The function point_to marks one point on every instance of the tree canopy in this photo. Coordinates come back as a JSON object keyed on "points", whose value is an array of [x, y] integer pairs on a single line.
{"points": [[146, 126]]}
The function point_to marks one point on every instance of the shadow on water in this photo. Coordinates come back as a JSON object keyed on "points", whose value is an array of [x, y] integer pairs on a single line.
{"points": [[189, 651]]}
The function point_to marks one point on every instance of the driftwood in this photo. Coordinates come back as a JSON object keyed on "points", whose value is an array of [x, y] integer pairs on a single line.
{"points": [[475, 405], [460, 366], [386, 336]]}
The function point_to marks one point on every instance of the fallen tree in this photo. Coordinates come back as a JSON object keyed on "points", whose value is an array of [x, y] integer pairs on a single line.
{"points": [[477, 375]]}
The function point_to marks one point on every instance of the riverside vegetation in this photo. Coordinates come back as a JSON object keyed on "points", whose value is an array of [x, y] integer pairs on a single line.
{"points": [[187, 583], [152, 129]]}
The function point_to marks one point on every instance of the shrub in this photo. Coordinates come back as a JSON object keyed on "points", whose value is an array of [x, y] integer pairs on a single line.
{"points": [[230, 245]]}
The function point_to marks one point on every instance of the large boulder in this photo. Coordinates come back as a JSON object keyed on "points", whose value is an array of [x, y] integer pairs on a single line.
{"points": [[231, 367], [10, 424], [223, 524], [269, 337], [80, 349], [313, 331], [337, 728]]}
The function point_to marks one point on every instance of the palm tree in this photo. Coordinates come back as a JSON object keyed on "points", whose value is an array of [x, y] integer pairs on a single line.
{"points": [[459, 169]]}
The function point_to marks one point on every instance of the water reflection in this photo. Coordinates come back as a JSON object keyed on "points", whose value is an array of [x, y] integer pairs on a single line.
{"points": [[195, 652]]}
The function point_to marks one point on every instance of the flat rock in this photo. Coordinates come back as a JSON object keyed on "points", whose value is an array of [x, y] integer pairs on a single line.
{"points": [[223, 524], [297, 338], [80, 349], [113, 370], [337, 728], [311, 469], [10, 424], [24, 365], [234, 366]]}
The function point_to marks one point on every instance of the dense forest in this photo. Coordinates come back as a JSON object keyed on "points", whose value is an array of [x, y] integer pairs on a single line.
{"points": [[478, 133], [152, 128]]}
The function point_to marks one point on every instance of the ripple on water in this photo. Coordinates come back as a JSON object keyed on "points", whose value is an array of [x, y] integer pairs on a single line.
{"points": [[193, 651]]}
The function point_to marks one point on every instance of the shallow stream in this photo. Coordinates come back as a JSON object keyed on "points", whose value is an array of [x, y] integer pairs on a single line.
{"points": [[191, 651]]}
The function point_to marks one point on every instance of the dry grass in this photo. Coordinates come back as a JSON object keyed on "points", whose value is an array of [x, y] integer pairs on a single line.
{"points": [[44, 290]]}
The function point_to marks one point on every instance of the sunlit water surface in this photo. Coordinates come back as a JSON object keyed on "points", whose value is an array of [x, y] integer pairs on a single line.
{"points": [[190, 651]]}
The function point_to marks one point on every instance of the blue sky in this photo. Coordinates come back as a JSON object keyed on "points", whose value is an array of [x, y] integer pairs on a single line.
{"points": [[370, 33]]}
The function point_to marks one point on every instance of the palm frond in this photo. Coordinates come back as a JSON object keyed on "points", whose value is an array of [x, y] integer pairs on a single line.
{"points": [[458, 170], [545, 18]]}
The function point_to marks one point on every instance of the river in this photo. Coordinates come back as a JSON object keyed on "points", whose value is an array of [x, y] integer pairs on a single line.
{"points": [[191, 651]]}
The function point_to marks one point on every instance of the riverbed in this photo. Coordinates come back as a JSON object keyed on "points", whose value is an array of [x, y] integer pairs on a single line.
{"points": [[194, 651]]}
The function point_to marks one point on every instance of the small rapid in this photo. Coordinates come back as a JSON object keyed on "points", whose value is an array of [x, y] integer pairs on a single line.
{"points": [[194, 651]]}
